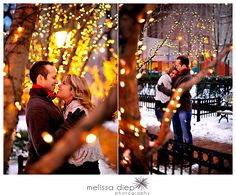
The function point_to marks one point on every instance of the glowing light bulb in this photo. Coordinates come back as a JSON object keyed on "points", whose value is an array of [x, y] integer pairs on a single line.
{"points": [[102, 49], [131, 127], [124, 161], [144, 47], [142, 20], [122, 71], [18, 135], [139, 52], [151, 19], [122, 110], [47, 137], [122, 145], [122, 132], [61, 37], [178, 105], [122, 83], [139, 75], [149, 12], [91, 138], [122, 62], [180, 89], [141, 147], [166, 119], [136, 129], [20, 29], [140, 43]]}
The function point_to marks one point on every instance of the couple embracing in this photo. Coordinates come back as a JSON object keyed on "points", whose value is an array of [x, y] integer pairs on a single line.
{"points": [[43, 116]]}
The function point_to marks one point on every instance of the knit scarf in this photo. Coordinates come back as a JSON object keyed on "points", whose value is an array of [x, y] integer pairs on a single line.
{"points": [[50, 93]]}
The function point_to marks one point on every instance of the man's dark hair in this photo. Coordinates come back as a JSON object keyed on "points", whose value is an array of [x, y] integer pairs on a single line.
{"points": [[39, 68], [183, 60]]}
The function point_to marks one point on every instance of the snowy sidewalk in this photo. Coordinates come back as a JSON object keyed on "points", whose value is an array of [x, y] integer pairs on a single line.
{"points": [[103, 166], [208, 128]]}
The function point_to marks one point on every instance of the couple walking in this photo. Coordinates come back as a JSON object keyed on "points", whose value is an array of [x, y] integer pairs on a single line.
{"points": [[43, 116], [181, 120]]}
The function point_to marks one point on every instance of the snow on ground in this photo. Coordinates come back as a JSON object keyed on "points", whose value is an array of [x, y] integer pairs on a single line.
{"points": [[103, 165], [207, 128]]}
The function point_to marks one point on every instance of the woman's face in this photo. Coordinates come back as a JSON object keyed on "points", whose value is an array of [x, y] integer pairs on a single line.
{"points": [[64, 91], [173, 74]]}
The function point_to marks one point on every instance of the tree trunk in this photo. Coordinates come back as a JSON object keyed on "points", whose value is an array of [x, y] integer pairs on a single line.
{"points": [[132, 138], [16, 58]]}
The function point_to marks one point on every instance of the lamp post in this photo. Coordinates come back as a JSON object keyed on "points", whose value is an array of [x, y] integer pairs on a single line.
{"points": [[61, 38], [179, 38]]}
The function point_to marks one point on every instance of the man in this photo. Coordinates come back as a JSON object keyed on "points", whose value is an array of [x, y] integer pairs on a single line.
{"points": [[182, 118], [42, 116]]}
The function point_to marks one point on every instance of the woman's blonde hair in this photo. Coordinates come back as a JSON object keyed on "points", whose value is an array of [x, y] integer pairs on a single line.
{"points": [[80, 90], [170, 69]]}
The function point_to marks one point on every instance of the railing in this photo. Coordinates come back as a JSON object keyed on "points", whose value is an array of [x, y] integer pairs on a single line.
{"points": [[201, 107], [205, 107], [180, 158], [21, 164]]}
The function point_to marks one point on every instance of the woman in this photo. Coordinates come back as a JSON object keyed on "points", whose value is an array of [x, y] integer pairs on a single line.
{"points": [[75, 92], [163, 91]]}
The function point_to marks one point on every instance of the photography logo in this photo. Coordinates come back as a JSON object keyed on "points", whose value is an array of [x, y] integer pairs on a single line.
{"points": [[141, 183], [138, 187]]}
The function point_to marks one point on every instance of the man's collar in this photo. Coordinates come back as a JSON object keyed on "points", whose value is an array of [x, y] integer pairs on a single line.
{"points": [[50, 95]]}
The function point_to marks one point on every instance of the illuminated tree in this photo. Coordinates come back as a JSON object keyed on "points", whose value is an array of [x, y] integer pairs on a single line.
{"points": [[15, 58], [79, 38], [185, 29]]}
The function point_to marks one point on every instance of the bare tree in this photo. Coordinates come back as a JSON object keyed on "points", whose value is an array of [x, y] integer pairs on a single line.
{"points": [[16, 58]]}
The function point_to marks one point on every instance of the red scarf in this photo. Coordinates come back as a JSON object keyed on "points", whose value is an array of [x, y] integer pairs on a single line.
{"points": [[50, 93]]}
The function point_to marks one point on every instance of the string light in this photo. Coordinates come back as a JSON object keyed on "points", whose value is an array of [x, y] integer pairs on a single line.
{"points": [[20, 29], [139, 75], [18, 106], [178, 105], [180, 90], [47, 137], [131, 127], [149, 12], [91, 138], [167, 119], [122, 132], [142, 20], [198, 23], [18, 135], [122, 71], [86, 40], [178, 98], [122, 110], [122, 145], [122, 84], [141, 147]]}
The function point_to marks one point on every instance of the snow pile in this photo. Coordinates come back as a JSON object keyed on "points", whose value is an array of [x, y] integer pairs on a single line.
{"points": [[208, 128]]}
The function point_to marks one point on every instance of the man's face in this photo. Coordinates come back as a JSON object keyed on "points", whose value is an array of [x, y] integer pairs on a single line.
{"points": [[178, 66], [50, 82]]}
